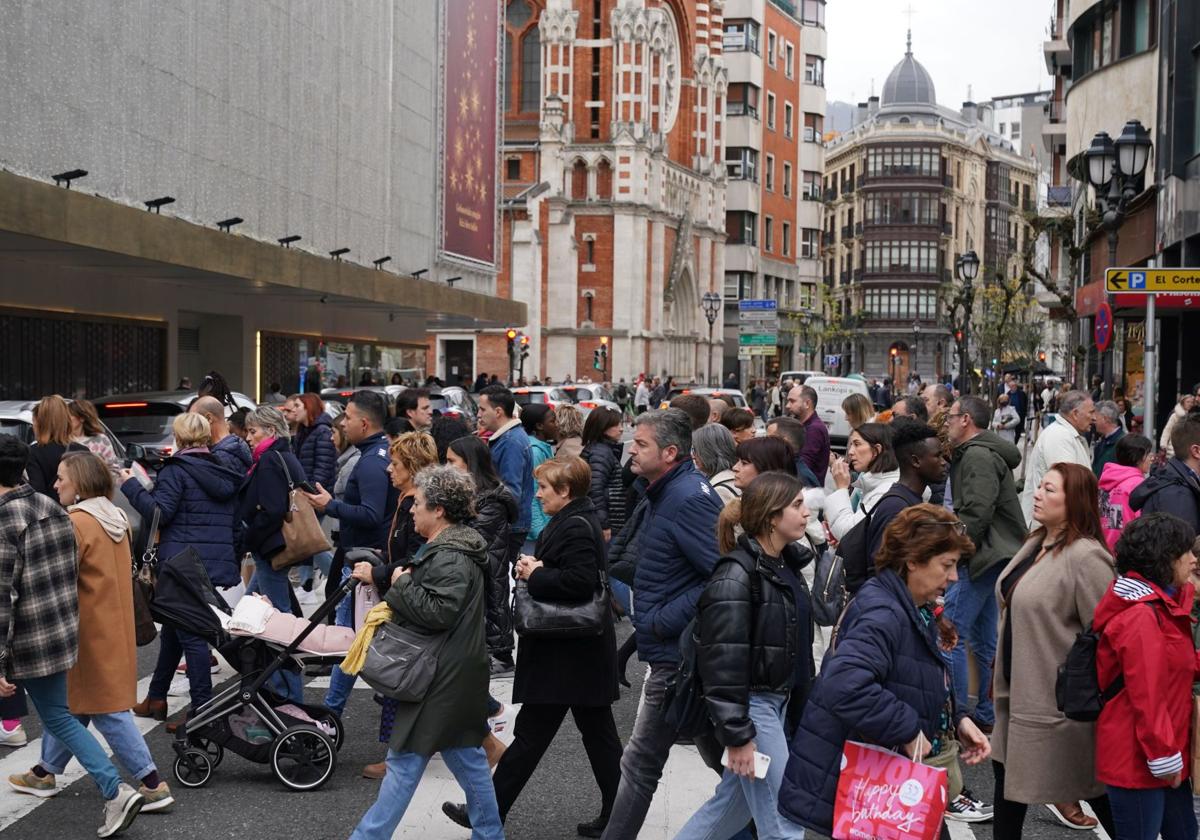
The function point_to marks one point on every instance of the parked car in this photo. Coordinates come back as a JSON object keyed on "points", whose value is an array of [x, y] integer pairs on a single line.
{"points": [[739, 400], [551, 395], [799, 376], [588, 395], [341, 396], [16, 419], [145, 419], [454, 401], [831, 390]]}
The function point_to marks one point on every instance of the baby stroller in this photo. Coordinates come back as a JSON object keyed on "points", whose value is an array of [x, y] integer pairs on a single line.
{"points": [[299, 741]]}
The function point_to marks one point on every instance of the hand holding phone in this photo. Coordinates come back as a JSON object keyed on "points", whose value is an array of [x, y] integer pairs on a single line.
{"points": [[308, 487], [761, 763]]}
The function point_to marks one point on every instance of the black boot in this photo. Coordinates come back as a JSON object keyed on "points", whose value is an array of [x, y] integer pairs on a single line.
{"points": [[458, 813], [595, 828]]}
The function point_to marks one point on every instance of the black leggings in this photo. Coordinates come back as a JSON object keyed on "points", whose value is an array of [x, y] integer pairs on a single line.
{"points": [[1010, 816]]}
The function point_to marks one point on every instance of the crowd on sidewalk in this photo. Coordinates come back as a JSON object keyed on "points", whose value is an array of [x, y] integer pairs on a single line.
{"points": [[785, 599]]}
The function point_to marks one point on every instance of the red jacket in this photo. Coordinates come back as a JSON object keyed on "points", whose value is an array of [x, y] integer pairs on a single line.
{"points": [[1144, 732]]}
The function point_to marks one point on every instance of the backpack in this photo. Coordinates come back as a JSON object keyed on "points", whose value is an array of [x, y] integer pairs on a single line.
{"points": [[1077, 687], [855, 564], [829, 595]]}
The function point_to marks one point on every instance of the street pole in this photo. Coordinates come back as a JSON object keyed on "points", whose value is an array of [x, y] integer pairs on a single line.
{"points": [[708, 353], [1150, 366]]}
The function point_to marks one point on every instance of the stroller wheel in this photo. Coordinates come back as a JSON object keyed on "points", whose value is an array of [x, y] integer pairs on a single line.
{"points": [[214, 751], [303, 758], [332, 720], [193, 769]]}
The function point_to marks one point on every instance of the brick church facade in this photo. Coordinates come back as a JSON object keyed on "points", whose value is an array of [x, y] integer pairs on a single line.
{"points": [[613, 205]]}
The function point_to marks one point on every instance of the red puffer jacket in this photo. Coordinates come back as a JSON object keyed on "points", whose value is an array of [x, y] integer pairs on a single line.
{"points": [[1144, 733]]}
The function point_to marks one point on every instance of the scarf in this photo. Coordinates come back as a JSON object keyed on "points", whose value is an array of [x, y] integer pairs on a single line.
{"points": [[263, 446], [356, 656]]}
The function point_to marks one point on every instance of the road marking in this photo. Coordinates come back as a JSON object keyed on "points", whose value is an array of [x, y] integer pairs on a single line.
{"points": [[1099, 829], [959, 830]]}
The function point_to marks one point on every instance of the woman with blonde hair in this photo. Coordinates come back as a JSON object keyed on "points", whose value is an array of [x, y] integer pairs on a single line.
{"points": [[52, 435], [570, 431], [858, 410], [102, 685], [195, 496]]}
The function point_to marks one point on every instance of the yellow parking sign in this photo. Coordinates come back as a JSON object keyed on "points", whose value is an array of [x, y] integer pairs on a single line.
{"points": [[1152, 280]]}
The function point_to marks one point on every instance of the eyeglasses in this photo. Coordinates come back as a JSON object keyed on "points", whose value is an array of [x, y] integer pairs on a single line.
{"points": [[959, 527]]}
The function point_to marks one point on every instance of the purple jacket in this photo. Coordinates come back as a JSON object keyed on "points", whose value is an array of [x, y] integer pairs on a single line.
{"points": [[816, 447]]}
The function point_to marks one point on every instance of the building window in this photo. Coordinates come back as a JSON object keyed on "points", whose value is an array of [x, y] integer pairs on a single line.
{"points": [[741, 36], [741, 227], [771, 44], [810, 242], [813, 13], [742, 100], [513, 169], [810, 185], [814, 128], [604, 179], [895, 161], [901, 257], [770, 111], [787, 239], [506, 81], [902, 208], [1015, 131], [739, 285], [789, 60], [788, 117], [769, 173], [814, 70], [741, 163], [531, 71], [787, 179], [769, 235]]}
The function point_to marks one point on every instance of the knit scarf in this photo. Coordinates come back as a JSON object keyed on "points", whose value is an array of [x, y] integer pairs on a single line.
{"points": [[356, 657], [263, 446]]}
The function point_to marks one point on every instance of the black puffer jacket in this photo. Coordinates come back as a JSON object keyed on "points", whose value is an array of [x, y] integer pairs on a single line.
{"points": [[495, 515], [751, 636], [607, 492]]}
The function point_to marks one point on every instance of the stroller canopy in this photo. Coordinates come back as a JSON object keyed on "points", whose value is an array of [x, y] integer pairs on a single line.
{"points": [[184, 596]]}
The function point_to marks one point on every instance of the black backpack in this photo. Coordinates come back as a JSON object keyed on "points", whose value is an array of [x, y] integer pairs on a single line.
{"points": [[853, 554], [1077, 687]]}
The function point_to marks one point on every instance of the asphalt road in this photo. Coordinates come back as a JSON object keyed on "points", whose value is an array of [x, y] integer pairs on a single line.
{"points": [[244, 800]]}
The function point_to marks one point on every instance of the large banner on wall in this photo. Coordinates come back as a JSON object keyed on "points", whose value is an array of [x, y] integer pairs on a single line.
{"points": [[469, 129]]}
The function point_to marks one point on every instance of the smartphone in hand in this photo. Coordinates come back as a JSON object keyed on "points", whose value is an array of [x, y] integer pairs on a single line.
{"points": [[761, 763], [307, 487]]}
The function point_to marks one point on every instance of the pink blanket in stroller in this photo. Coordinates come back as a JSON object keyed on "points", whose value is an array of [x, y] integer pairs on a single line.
{"points": [[325, 640]]}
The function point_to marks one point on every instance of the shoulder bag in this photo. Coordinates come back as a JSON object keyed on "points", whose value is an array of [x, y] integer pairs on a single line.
{"points": [[302, 534], [536, 619], [143, 582]]}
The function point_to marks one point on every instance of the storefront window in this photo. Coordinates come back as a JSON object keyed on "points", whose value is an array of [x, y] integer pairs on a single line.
{"points": [[311, 364]]}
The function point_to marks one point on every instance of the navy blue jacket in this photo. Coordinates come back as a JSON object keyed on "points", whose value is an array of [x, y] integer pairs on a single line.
{"points": [[884, 682], [513, 458], [676, 553], [234, 453], [364, 513], [263, 500], [1173, 489], [196, 495], [314, 447]]}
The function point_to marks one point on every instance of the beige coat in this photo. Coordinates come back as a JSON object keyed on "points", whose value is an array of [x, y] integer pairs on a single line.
{"points": [[104, 678], [1047, 758]]}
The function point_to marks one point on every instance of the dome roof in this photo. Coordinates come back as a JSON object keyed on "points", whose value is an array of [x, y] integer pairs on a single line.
{"points": [[909, 82]]}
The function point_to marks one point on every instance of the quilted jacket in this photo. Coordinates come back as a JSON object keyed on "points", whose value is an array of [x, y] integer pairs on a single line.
{"points": [[884, 682], [752, 641], [313, 446], [196, 495], [39, 590], [676, 552]]}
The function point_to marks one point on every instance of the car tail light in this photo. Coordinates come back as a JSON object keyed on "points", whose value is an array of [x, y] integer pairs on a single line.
{"points": [[589, 404], [126, 405]]}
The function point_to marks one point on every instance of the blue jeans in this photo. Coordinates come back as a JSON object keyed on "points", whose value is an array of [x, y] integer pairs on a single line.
{"points": [[737, 799], [49, 696], [122, 736], [971, 606], [323, 561], [404, 769], [1145, 814], [276, 586], [623, 594], [340, 683], [172, 645]]}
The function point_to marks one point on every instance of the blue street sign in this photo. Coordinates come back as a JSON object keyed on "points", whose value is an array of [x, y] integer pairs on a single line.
{"points": [[756, 305]]}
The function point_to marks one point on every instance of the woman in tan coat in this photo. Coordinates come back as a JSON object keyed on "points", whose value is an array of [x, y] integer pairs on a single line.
{"points": [[102, 685], [1048, 593]]}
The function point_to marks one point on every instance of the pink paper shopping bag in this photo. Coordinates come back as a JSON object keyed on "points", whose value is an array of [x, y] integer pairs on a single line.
{"points": [[884, 795]]}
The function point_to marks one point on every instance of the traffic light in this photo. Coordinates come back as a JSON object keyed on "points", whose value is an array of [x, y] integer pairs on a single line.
{"points": [[958, 336], [1041, 355], [603, 352], [524, 347], [596, 359], [511, 335]]}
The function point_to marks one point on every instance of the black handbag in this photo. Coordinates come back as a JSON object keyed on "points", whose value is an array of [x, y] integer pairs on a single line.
{"points": [[536, 619], [402, 661], [143, 583]]}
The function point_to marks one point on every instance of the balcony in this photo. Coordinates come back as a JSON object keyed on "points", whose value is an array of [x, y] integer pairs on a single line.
{"points": [[1014, 199], [1057, 50], [901, 174], [845, 277], [1054, 130], [906, 225], [847, 187], [831, 194], [827, 237], [846, 232], [858, 228], [947, 229], [858, 275]]}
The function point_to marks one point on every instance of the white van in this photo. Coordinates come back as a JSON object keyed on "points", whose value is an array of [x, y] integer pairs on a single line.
{"points": [[831, 390]]}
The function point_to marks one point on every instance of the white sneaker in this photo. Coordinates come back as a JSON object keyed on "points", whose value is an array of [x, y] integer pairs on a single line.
{"points": [[962, 809], [306, 599], [13, 738], [180, 687], [121, 811]]}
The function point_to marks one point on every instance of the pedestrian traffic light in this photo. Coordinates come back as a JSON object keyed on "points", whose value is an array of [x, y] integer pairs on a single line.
{"points": [[603, 352], [995, 362], [596, 360]]}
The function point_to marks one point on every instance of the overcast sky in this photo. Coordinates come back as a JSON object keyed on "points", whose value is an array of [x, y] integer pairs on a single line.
{"points": [[996, 47]]}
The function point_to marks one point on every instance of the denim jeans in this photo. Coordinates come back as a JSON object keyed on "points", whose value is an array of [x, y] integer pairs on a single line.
{"points": [[971, 606], [172, 646], [737, 799], [644, 758], [1147, 814], [623, 594], [340, 683], [49, 696], [122, 735], [404, 769], [278, 589], [323, 561]]}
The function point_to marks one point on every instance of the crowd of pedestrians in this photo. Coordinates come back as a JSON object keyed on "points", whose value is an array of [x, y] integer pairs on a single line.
{"points": [[709, 533]]}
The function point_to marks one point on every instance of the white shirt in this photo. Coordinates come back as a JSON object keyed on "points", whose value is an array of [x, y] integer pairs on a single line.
{"points": [[642, 395], [1059, 442]]}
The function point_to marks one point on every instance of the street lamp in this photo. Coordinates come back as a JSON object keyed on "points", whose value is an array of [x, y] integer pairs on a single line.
{"points": [[912, 359], [711, 303], [966, 268]]}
